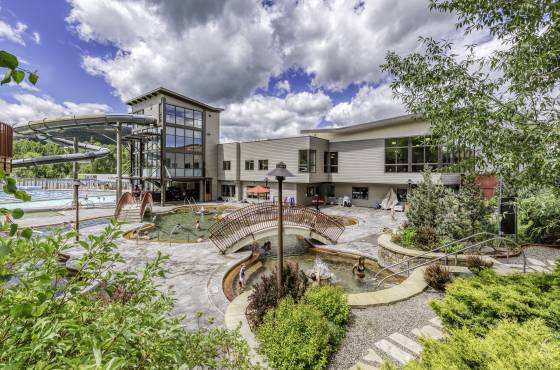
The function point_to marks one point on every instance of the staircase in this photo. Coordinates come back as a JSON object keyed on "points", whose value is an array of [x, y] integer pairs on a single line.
{"points": [[130, 213]]}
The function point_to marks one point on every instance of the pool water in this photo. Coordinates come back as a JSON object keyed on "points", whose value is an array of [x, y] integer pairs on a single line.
{"points": [[61, 229], [56, 199], [180, 225], [296, 250]]}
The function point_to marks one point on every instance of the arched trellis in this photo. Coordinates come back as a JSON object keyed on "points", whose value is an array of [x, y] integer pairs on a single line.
{"points": [[253, 219]]}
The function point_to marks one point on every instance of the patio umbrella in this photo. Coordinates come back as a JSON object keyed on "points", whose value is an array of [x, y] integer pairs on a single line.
{"points": [[258, 190]]}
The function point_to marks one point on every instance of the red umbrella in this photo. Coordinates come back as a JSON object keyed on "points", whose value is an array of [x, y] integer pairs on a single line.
{"points": [[258, 190]]}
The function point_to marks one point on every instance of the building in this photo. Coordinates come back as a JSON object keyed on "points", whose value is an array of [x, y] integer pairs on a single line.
{"points": [[186, 137], [362, 162]]}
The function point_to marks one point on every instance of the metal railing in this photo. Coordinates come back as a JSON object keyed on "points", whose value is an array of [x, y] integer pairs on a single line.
{"points": [[257, 217], [435, 250], [446, 256]]}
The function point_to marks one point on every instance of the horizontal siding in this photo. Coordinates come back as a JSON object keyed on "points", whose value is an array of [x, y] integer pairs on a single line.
{"points": [[285, 150], [228, 152], [321, 146]]}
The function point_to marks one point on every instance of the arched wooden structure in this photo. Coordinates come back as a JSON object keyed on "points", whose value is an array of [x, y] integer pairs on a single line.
{"points": [[239, 227]]}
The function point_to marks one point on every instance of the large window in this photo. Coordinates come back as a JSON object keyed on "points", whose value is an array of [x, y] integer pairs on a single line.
{"points": [[263, 164], [249, 165], [307, 160], [330, 162], [228, 190], [180, 164], [183, 138], [414, 154], [226, 165], [360, 193], [396, 154], [312, 191], [183, 116]]}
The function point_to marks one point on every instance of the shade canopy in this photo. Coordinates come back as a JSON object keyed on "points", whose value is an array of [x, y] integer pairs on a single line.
{"points": [[258, 190]]}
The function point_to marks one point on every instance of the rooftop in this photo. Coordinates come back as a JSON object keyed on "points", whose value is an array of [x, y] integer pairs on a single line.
{"points": [[407, 118], [164, 91]]}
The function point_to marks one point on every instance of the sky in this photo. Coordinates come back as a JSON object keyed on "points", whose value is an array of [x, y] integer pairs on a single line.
{"points": [[277, 67]]}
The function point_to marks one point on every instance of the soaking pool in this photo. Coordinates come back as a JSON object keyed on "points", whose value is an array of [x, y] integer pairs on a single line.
{"points": [[180, 224], [297, 250], [57, 199]]}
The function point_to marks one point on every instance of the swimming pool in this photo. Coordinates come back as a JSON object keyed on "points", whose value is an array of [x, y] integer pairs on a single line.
{"points": [[61, 229], [57, 199]]}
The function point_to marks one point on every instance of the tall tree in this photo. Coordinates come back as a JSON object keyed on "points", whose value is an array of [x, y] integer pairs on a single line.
{"points": [[505, 104]]}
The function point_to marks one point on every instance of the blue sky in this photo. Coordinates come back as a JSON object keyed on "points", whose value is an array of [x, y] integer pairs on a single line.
{"points": [[275, 68]]}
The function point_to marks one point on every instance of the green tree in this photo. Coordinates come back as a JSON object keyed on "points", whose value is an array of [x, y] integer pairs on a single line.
{"points": [[504, 105], [426, 203]]}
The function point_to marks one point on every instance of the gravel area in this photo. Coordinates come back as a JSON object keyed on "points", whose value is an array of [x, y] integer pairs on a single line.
{"points": [[540, 253], [369, 325]]}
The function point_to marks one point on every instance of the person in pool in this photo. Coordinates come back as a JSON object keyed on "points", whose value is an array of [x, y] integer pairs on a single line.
{"points": [[242, 276], [359, 269]]}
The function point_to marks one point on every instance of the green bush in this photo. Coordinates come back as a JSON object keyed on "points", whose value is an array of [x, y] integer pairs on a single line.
{"points": [[407, 236], [510, 345], [480, 302], [265, 293], [539, 216], [296, 336], [330, 301]]}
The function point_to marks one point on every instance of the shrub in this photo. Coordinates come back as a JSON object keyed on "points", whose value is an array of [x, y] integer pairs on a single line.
{"points": [[479, 302], [407, 236], [510, 345], [265, 292], [437, 276], [425, 238], [425, 203], [296, 336], [540, 216], [476, 263], [330, 301], [452, 248]]}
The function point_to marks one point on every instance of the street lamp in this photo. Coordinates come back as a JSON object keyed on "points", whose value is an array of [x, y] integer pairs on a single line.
{"points": [[280, 172]]}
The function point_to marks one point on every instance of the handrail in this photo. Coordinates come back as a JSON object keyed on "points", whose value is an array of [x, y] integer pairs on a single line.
{"points": [[126, 198], [432, 251], [501, 238], [147, 200], [254, 218]]}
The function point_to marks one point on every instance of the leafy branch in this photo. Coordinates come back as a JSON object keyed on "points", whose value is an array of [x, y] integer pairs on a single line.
{"points": [[14, 71]]}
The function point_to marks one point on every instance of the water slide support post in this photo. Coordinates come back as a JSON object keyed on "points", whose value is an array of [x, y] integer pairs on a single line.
{"points": [[119, 162]]}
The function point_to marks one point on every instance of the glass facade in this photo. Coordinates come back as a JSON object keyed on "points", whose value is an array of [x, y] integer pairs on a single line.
{"points": [[183, 142], [228, 190]]}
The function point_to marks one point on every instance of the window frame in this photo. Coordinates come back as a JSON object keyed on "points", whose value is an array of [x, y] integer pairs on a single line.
{"points": [[310, 163], [249, 165], [360, 189], [226, 165], [263, 164]]}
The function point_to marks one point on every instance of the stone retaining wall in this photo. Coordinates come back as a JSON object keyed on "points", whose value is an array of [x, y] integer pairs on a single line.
{"points": [[390, 253]]}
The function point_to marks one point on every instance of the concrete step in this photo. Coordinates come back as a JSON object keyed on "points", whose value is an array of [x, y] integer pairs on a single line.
{"points": [[372, 356], [362, 366], [393, 351], [436, 321], [428, 331], [406, 342]]}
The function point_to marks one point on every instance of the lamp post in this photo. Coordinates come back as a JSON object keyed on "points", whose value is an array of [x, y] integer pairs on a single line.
{"points": [[280, 172], [266, 186]]}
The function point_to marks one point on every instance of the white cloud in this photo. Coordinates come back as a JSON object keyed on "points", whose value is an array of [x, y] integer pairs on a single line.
{"points": [[13, 33], [259, 116], [369, 104], [222, 60], [339, 42], [36, 37], [283, 86], [24, 85], [30, 107]]}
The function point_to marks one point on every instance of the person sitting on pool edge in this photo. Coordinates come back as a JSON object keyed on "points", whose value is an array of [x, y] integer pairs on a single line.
{"points": [[359, 269], [242, 277]]}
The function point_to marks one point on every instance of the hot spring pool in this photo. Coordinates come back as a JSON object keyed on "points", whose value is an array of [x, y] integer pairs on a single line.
{"points": [[180, 224], [297, 250]]}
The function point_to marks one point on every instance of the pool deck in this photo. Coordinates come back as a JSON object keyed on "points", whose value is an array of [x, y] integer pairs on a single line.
{"points": [[196, 270]]}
